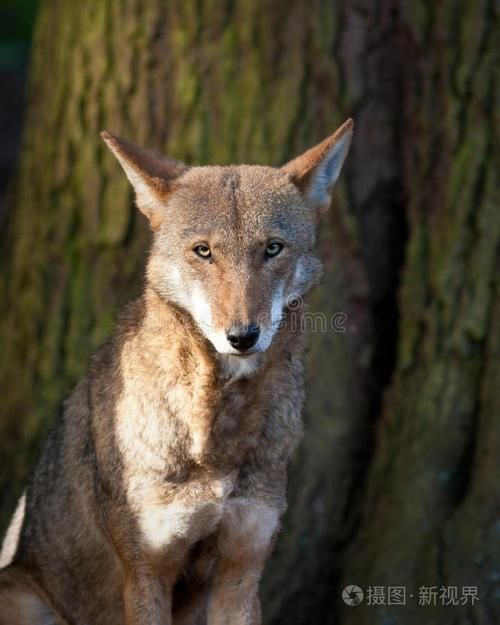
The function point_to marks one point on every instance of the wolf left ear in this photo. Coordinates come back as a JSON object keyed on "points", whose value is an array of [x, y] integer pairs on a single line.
{"points": [[151, 174], [316, 171]]}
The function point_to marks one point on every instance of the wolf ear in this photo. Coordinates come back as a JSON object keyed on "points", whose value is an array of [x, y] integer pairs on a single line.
{"points": [[316, 171], [151, 174]]}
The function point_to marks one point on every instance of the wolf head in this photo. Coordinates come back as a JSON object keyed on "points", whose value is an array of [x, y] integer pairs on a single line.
{"points": [[234, 245]]}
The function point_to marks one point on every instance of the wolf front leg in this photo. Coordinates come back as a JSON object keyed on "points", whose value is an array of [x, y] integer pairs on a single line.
{"points": [[149, 577], [246, 534], [147, 595], [155, 553]]}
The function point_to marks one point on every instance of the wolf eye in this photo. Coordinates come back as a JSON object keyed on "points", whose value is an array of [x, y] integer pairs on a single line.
{"points": [[202, 250], [273, 249]]}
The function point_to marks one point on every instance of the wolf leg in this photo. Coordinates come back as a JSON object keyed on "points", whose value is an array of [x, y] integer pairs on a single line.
{"points": [[245, 540], [20, 604], [148, 592]]}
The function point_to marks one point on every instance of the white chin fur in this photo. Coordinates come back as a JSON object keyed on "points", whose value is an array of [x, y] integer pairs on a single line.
{"points": [[237, 367]]}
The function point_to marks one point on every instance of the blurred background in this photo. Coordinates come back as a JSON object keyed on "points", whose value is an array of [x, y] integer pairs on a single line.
{"points": [[396, 483]]}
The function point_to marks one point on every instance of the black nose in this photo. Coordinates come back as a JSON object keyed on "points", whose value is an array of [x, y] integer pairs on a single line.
{"points": [[243, 337]]}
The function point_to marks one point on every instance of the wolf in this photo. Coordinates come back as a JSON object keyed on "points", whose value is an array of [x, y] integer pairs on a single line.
{"points": [[158, 494]]}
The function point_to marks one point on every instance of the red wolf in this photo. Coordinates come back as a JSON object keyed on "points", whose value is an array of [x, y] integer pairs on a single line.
{"points": [[159, 492]]}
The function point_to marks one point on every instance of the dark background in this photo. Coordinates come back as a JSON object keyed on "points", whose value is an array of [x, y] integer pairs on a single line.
{"points": [[396, 483], [16, 24]]}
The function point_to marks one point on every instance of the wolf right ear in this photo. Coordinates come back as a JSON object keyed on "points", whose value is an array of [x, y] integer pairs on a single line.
{"points": [[316, 171], [151, 174]]}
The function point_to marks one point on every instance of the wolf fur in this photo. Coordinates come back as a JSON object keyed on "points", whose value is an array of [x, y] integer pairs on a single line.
{"points": [[159, 491]]}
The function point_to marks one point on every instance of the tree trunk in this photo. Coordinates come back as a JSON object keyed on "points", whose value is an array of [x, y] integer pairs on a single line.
{"points": [[431, 510], [394, 483]]}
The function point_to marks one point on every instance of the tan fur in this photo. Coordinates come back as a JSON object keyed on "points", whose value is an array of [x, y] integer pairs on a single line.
{"points": [[158, 493], [11, 540]]}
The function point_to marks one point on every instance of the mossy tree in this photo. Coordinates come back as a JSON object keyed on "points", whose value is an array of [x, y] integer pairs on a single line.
{"points": [[394, 483]]}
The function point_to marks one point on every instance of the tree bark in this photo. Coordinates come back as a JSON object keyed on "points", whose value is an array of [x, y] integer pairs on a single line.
{"points": [[431, 509], [394, 483]]}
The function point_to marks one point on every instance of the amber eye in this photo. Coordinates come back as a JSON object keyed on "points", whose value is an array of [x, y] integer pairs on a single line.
{"points": [[202, 250], [273, 249]]}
